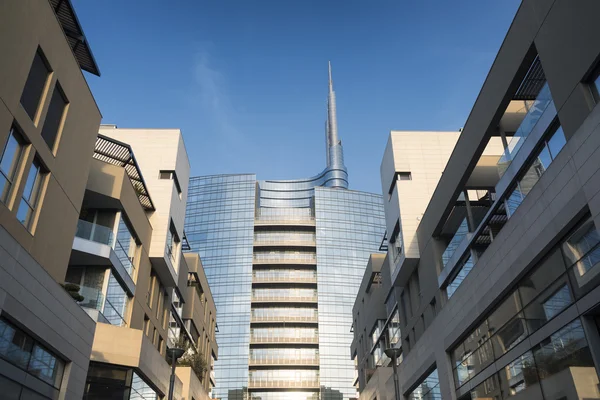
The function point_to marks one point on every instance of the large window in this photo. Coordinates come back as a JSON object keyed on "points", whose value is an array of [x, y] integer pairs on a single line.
{"points": [[551, 146], [561, 364], [21, 350], [9, 163], [126, 246], [116, 303], [34, 86], [429, 388], [567, 273], [54, 117], [31, 194]]}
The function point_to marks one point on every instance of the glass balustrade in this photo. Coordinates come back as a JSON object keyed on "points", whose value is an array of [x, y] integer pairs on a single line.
{"points": [[94, 232], [461, 232], [284, 335], [284, 356], [285, 257], [92, 297], [284, 294], [286, 314], [284, 237], [284, 275], [535, 112], [284, 378]]}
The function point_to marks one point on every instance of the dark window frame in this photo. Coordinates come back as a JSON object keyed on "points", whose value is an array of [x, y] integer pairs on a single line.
{"points": [[34, 113], [53, 124]]}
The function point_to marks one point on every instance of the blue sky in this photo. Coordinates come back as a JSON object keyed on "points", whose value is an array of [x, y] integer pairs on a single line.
{"points": [[246, 81]]}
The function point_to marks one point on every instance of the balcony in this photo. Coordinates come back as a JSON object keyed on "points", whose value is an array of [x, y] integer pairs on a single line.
{"points": [[94, 232], [284, 276], [275, 298], [283, 340], [275, 361], [278, 220], [534, 113], [283, 384], [285, 243], [292, 259], [284, 319], [96, 245]]}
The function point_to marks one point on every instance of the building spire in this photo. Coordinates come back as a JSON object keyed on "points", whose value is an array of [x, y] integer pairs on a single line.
{"points": [[333, 154]]}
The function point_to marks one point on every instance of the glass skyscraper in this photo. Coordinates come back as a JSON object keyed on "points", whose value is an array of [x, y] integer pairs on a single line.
{"points": [[284, 260]]}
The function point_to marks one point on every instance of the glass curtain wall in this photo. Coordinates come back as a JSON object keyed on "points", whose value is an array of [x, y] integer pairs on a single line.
{"points": [[220, 227], [350, 226]]}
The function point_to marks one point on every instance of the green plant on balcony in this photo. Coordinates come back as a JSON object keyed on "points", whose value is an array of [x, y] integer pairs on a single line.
{"points": [[191, 358], [73, 290]]}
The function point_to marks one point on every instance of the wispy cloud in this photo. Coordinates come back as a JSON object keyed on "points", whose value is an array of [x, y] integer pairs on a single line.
{"points": [[210, 87]]}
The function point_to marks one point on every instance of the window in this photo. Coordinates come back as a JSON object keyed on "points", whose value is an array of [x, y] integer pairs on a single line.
{"points": [[160, 344], [171, 175], [396, 242], [34, 86], [54, 117], [405, 176], [402, 176], [31, 195], [551, 146], [147, 325], [19, 349], [11, 157], [172, 243], [594, 83], [429, 388]]}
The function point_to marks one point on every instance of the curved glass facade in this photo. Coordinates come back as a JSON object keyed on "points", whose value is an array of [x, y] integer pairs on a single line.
{"points": [[284, 259]]}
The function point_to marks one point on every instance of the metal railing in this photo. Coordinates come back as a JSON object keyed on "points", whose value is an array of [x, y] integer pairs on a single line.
{"points": [[276, 298], [281, 220], [290, 259], [270, 383], [542, 101], [284, 276], [284, 318], [282, 339], [94, 232], [284, 361], [92, 297]]}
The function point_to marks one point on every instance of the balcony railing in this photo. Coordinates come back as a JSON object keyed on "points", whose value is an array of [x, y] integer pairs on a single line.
{"points": [[460, 234], [284, 299], [283, 220], [285, 318], [274, 384], [280, 339], [542, 101], [92, 298], [278, 259], [284, 361], [94, 232], [285, 242], [281, 276]]}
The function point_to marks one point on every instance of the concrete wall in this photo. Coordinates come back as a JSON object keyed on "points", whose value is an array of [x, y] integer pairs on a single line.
{"points": [[32, 299], [32, 262], [156, 150], [34, 24]]}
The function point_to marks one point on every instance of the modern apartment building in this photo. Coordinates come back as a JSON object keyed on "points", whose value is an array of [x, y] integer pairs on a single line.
{"points": [[373, 368], [284, 260], [502, 298], [48, 125], [132, 276]]}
